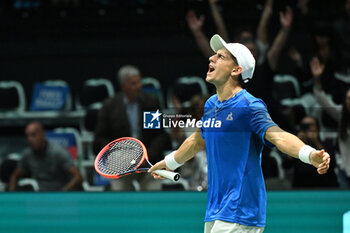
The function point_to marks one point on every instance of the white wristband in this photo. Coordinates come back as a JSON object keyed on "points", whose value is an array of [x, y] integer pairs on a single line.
{"points": [[304, 153], [170, 161]]}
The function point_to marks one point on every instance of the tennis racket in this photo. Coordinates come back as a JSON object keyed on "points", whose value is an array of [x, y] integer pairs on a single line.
{"points": [[125, 156]]}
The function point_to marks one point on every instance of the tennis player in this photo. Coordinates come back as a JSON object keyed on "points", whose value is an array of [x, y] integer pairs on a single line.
{"points": [[236, 190]]}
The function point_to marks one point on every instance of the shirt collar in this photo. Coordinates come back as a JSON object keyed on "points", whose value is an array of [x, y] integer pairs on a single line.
{"points": [[126, 100]]}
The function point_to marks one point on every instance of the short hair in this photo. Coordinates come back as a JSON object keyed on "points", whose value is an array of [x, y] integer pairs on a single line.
{"points": [[125, 71]]}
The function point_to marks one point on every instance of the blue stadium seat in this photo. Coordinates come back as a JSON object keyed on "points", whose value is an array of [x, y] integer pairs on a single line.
{"points": [[286, 86], [152, 86], [51, 96]]}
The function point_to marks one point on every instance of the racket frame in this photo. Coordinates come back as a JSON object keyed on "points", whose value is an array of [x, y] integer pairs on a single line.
{"points": [[170, 175]]}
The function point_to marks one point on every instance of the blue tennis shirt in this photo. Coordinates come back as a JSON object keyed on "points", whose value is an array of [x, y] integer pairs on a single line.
{"points": [[236, 189]]}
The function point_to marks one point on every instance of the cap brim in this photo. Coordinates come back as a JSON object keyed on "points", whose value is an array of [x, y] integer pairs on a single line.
{"points": [[217, 43]]}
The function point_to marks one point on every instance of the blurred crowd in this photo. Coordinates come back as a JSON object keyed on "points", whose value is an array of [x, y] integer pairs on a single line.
{"points": [[321, 77]]}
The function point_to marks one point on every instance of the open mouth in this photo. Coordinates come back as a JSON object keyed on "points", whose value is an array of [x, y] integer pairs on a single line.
{"points": [[211, 69]]}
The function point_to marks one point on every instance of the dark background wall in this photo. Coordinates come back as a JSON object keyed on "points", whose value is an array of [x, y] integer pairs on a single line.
{"points": [[78, 40]]}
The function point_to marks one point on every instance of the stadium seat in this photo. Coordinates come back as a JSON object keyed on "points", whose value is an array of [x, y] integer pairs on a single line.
{"points": [[89, 100], [152, 86], [94, 91], [12, 97], [88, 123], [87, 128], [185, 88], [307, 101], [93, 182], [28, 184], [67, 137], [342, 77], [8, 166], [51, 95], [285, 86], [70, 139]]}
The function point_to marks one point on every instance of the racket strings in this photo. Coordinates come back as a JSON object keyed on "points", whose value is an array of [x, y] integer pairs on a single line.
{"points": [[122, 157]]}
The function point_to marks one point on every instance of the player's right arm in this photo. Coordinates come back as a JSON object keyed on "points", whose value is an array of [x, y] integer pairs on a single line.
{"points": [[189, 148]]}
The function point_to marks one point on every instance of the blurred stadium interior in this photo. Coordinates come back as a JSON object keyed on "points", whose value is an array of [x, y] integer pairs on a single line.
{"points": [[81, 41]]}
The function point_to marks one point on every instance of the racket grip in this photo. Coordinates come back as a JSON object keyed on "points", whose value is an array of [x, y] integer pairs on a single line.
{"points": [[168, 174]]}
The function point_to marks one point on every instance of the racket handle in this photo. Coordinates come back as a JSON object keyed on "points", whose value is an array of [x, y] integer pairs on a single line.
{"points": [[168, 174]]}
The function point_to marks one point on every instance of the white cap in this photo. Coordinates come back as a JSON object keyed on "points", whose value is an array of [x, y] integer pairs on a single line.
{"points": [[242, 54]]}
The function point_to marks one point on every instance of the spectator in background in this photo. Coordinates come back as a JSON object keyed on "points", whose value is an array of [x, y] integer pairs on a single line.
{"points": [[265, 70], [340, 113], [49, 164], [195, 170], [257, 46], [303, 176], [267, 62], [323, 49], [341, 34], [122, 116]]}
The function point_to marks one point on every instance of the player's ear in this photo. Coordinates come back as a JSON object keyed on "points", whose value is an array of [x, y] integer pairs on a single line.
{"points": [[237, 70]]}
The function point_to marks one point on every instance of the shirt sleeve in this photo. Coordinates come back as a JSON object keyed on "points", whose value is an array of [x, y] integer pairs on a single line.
{"points": [[23, 162], [66, 160], [260, 120]]}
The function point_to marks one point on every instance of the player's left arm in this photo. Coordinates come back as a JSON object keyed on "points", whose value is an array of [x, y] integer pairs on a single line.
{"points": [[293, 146]]}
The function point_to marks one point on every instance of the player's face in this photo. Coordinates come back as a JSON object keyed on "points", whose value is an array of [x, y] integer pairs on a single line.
{"points": [[220, 67], [132, 86]]}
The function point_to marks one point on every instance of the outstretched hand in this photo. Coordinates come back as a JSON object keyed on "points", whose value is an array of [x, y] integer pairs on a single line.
{"points": [[194, 23], [158, 166], [316, 67], [213, 1], [321, 160], [286, 18]]}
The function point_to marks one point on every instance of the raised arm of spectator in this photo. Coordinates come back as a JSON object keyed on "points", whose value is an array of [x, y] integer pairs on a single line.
{"points": [[327, 104], [195, 24], [264, 20], [219, 21], [286, 20]]}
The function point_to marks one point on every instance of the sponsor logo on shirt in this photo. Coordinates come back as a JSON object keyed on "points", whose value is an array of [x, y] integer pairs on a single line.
{"points": [[229, 117]]}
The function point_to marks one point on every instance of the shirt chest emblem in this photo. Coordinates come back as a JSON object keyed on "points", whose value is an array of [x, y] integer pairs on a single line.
{"points": [[229, 117]]}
